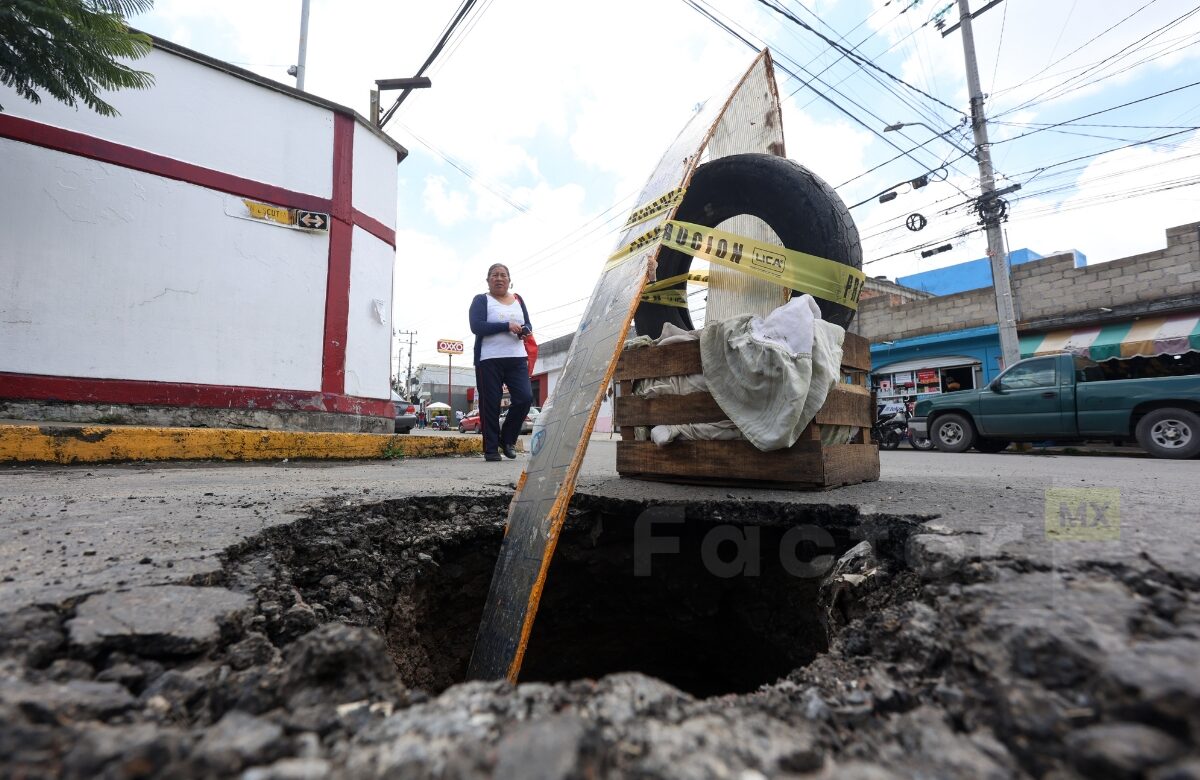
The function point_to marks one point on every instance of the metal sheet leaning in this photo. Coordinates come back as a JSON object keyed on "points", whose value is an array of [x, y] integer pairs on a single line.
{"points": [[561, 435]]}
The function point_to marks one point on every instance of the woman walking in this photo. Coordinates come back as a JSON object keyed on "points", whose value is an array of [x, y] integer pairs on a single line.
{"points": [[500, 322]]}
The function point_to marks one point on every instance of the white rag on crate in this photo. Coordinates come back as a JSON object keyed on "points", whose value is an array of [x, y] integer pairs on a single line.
{"points": [[769, 375]]}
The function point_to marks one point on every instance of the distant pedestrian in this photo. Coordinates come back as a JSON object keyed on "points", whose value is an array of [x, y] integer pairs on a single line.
{"points": [[500, 321], [421, 419]]}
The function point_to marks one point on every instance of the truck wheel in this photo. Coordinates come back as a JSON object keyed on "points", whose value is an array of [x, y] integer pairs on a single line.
{"points": [[983, 444], [922, 443], [804, 212], [953, 433], [1170, 433]]}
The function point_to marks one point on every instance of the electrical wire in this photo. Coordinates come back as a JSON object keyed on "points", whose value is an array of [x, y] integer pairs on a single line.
{"points": [[463, 10], [784, 12]]}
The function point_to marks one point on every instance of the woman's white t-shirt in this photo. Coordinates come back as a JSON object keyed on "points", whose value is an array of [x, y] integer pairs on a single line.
{"points": [[503, 345]]}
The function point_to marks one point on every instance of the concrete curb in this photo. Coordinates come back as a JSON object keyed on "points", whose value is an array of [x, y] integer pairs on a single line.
{"points": [[64, 444]]}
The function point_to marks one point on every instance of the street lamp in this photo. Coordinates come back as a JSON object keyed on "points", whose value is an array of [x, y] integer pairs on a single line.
{"points": [[901, 125]]}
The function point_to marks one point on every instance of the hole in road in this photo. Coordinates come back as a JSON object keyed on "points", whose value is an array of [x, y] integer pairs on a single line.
{"points": [[419, 572]]}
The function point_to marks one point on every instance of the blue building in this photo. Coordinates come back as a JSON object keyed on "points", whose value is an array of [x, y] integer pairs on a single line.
{"points": [[955, 360], [970, 275]]}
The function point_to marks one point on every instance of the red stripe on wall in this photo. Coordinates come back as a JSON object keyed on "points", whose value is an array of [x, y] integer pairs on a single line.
{"points": [[34, 387], [337, 283], [375, 228], [93, 148]]}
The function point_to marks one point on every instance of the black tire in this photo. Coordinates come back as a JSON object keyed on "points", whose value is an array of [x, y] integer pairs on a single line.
{"points": [[461, 429], [804, 212], [922, 443], [953, 433], [1170, 433], [983, 444]]}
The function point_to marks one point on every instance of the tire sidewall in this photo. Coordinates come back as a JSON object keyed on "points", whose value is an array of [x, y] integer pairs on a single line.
{"points": [[1147, 423], [806, 214], [968, 433]]}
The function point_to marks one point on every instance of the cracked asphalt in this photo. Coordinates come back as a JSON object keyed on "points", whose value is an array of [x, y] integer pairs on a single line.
{"points": [[68, 531], [984, 627]]}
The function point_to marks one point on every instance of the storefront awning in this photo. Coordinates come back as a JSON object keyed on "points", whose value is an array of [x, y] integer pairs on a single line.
{"points": [[948, 361], [1147, 337]]}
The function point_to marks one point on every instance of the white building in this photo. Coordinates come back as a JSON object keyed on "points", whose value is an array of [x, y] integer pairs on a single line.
{"points": [[221, 253]]}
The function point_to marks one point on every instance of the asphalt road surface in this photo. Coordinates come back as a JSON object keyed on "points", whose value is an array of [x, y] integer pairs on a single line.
{"points": [[1003, 615], [66, 531]]}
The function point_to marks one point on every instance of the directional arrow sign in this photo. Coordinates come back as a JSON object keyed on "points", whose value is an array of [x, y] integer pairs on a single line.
{"points": [[312, 220]]}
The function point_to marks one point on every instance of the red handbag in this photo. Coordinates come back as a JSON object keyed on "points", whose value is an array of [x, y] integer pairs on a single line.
{"points": [[531, 345]]}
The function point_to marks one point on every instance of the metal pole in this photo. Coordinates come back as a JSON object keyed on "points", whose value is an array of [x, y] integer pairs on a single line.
{"points": [[303, 45], [450, 383], [1006, 317]]}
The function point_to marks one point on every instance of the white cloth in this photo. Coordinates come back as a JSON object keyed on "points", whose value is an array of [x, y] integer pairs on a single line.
{"points": [[769, 375], [503, 345], [772, 375]]}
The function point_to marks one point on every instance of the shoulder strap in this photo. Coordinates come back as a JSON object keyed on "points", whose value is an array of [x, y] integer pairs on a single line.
{"points": [[523, 309]]}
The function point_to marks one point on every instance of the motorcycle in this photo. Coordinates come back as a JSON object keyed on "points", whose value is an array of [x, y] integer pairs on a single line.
{"points": [[891, 428]]}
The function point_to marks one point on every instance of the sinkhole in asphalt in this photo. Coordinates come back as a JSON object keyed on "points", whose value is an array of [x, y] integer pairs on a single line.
{"points": [[731, 598]]}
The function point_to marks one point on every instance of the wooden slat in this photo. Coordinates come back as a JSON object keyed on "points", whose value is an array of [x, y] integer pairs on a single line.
{"points": [[849, 464], [856, 352], [668, 410], [736, 463], [847, 405], [720, 460], [671, 360]]}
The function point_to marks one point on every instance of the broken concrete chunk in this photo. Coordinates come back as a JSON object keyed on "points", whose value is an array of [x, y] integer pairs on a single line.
{"points": [[239, 739], [156, 621], [32, 635], [1121, 750], [63, 702]]}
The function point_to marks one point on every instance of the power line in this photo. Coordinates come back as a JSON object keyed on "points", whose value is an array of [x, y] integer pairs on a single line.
{"points": [[850, 54], [1061, 89], [694, 4], [448, 30], [1097, 113]]}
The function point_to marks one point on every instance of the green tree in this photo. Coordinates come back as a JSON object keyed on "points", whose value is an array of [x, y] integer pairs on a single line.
{"points": [[69, 48]]}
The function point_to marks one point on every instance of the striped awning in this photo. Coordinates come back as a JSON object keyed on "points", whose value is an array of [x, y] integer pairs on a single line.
{"points": [[1146, 337]]}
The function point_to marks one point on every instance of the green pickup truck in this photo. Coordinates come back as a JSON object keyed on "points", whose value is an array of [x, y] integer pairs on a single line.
{"points": [[1065, 398]]}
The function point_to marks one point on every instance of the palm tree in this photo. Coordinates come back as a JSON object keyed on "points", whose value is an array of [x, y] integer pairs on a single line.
{"points": [[69, 48]]}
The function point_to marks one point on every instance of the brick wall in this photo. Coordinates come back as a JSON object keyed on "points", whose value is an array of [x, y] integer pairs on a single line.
{"points": [[1051, 288]]}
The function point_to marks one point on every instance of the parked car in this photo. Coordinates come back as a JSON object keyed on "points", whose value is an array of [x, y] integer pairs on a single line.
{"points": [[406, 417], [530, 418], [1066, 398], [470, 423]]}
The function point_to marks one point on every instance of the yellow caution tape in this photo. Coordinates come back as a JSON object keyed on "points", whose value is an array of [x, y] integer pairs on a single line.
{"points": [[654, 207], [818, 276], [666, 298], [696, 277]]}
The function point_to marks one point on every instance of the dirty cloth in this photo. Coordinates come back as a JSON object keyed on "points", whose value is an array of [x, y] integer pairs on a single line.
{"points": [[769, 375], [772, 374]]}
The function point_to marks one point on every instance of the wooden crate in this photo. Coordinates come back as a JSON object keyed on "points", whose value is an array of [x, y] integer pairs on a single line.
{"points": [[807, 464]]}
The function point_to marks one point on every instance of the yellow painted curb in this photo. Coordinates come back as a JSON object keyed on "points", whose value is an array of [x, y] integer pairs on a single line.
{"points": [[102, 444]]}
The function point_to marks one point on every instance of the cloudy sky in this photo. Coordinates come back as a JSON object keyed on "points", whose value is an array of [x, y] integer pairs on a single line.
{"points": [[546, 117]]}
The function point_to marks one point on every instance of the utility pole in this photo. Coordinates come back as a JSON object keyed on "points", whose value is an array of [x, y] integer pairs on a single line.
{"points": [[303, 55], [408, 376], [991, 208]]}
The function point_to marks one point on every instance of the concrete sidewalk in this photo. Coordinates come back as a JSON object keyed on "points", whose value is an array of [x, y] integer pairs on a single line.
{"points": [[66, 443]]}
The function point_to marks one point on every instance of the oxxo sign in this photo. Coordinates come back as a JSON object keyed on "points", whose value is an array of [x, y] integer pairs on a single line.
{"points": [[450, 347]]}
